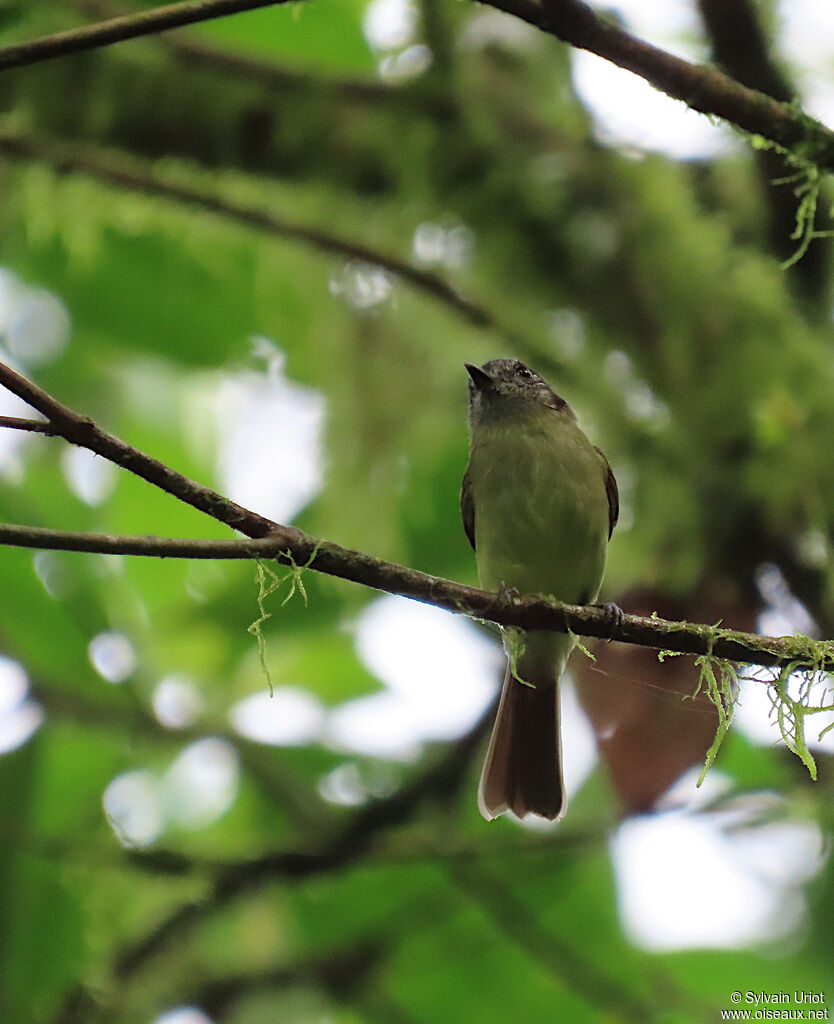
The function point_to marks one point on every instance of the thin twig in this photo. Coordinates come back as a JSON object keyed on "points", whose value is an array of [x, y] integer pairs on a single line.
{"points": [[82, 431], [44, 539], [33, 426], [130, 26], [294, 547]]}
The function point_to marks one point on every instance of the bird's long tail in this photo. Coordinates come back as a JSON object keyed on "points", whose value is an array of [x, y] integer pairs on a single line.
{"points": [[522, 772]]}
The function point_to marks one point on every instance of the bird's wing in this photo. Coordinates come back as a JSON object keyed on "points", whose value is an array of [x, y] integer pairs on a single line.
{"points": [[612, 492], [467, 507]]}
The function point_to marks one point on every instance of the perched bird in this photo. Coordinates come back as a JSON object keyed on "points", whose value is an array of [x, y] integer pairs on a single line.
{"points": [[539, 503]]}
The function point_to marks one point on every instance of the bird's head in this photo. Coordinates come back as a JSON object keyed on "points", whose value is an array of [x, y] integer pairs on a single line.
{"points": [[502, 386]]}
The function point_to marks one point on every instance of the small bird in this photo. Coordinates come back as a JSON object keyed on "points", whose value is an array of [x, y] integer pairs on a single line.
{"points": [[539, 503]]}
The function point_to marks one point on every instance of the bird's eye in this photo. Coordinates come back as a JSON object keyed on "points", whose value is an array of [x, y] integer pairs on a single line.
{"points": [[525, 372]]}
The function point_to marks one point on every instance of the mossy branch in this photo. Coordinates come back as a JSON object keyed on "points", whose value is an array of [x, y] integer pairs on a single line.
{"points": [[300, 551], [701, 87], [797, 689], [718, 678], [295, 548], [713, 645]]}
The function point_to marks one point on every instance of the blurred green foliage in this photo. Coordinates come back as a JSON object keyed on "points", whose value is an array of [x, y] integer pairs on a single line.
{"points": [[647, 292]]}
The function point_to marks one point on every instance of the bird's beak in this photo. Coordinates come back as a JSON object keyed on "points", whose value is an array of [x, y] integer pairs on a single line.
{"points": [[480, 378]]}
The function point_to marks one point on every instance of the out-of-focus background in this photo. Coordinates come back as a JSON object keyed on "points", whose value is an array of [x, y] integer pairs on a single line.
{"points": [[199, 248]]}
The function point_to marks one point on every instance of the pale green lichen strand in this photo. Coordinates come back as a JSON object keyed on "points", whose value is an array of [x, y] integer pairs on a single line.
{"points": [[807, 182], [805, 673], [515, 641], [268, 582], [718, 678]]}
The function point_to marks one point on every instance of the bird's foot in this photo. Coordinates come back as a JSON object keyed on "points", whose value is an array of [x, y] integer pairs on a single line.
{"points": [[508, 595], [613, 619]]}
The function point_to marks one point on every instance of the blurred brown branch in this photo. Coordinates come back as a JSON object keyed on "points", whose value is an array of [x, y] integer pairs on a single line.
{"points": [[129, 26], [278, 77], [131, 175], [298, 549], [356, 837], [561, 957], [343, 973]]}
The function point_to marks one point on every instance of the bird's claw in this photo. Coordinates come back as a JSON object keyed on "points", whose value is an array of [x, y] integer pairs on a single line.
{"points": [[613, 619], [508, 595]]}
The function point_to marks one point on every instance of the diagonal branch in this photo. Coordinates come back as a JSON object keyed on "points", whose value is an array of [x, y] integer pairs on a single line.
{"points": [[82, 431], [700, 86], [129, 26], [292, 546], [355, 838], [570, 965], [704, 88], [352, 841]]}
